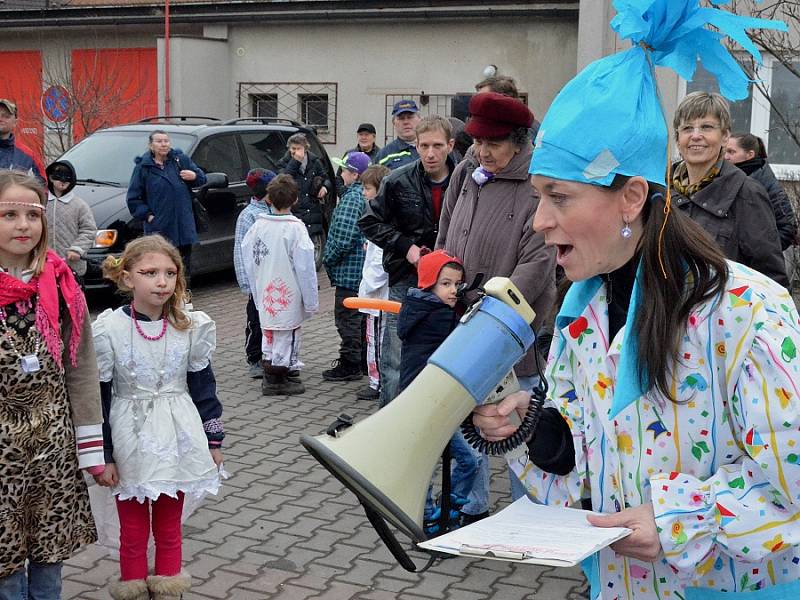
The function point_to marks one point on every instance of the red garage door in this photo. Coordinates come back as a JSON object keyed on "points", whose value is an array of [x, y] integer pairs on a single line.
{"points": [[21, 82], [113, 86]]}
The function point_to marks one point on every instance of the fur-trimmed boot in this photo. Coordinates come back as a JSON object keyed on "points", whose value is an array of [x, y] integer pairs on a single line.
{"points": [[169, 588], [133, 589]]}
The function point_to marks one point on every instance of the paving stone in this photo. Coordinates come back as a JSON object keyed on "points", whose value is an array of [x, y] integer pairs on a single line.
{"points": [[338, 590], [283, 528], [220, 582]]}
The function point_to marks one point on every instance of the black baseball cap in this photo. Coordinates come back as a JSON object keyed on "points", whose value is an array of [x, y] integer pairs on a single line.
{"points": [[368, 127]]}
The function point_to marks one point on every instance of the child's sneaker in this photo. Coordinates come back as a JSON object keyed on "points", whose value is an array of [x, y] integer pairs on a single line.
{"points": [[343, 370], [367, 393], [255, 371]]}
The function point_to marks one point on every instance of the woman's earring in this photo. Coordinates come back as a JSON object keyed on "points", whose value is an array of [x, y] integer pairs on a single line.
{"points": [[626, 230]]}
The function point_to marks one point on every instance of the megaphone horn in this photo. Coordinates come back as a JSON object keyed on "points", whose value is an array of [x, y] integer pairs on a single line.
{"points": [[387, 460]]}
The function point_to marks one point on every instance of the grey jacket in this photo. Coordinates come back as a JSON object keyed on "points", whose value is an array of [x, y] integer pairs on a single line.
{"points": [[490, 228], [736, 211], [71, 226]]}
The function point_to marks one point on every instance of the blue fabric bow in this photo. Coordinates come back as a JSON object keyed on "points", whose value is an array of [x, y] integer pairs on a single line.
{"points": [[628, 386]]}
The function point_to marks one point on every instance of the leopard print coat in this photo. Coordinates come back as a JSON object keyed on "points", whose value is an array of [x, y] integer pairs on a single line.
{"points": [[44, 503]]}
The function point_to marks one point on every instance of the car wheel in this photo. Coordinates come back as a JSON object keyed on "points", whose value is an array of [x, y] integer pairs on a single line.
{"points": [[319, 246]]}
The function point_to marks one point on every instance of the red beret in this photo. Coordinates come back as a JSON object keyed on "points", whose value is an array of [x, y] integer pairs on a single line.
{"points": [[494, 115]]}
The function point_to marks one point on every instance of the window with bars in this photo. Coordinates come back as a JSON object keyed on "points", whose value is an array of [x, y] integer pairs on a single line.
{"points": [[311, 103], [314, 110], [264, 105]]}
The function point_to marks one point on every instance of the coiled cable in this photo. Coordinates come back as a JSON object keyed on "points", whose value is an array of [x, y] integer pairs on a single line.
{"points": [[525, 430]]}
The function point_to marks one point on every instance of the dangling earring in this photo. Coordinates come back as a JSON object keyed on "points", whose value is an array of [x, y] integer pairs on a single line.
{"points": [[626, 230]]}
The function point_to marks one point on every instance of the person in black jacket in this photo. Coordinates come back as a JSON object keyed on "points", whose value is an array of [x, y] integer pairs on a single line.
{"points": [[366, 144], [403, 220], [747, 152], [313, 182], [427, 317]]}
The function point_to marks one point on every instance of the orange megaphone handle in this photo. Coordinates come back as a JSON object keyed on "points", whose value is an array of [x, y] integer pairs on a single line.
{"points": [[390, 306]]}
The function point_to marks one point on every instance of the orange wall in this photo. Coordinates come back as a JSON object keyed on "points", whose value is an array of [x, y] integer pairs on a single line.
{"points": [[115, 86], [21, 82]]}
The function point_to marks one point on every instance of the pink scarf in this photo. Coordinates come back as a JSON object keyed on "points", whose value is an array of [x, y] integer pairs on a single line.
{"points": [[56, 277]]}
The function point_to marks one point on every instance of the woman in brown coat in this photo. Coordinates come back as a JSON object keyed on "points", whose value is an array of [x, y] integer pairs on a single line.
{"points": [[487, 222]]}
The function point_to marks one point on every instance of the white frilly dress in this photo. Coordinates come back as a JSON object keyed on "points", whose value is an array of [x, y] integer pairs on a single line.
{"points": [[160, 446]]}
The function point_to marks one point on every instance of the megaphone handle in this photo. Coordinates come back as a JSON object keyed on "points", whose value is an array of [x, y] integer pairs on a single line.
{"points": [[392, 544]]}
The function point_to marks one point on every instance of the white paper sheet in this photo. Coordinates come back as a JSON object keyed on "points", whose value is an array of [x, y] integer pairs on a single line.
{"points": [[530, 533]]}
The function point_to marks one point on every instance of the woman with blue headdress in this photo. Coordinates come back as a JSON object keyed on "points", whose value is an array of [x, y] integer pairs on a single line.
{"points": [[674, 396]]}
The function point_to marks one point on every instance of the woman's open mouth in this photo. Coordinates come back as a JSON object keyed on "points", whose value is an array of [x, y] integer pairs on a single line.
{"points": [[562, 251]]}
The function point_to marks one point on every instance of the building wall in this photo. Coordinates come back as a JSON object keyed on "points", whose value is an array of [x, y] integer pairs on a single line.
{"points": [[200, 82], [439, 58]]}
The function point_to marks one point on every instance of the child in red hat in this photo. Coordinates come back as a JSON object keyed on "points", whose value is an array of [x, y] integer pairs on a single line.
{"points": [[427, 317]]}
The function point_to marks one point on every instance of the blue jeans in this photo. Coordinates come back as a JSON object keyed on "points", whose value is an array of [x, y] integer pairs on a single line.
{"points": [[391, 347], [462, 474], [40, 581]]}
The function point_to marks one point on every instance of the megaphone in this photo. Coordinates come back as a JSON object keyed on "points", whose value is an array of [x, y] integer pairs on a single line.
{"points": [[387, 460]]}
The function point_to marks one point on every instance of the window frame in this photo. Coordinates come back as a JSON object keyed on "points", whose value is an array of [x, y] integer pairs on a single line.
{"points": [[255, 98], [303, 108]]}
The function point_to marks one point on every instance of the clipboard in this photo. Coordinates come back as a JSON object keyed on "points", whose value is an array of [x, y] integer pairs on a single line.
{"points": [[529, 533]]}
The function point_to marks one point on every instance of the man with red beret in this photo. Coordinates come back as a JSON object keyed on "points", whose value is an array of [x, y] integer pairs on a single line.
{"points": [[403, 220]]}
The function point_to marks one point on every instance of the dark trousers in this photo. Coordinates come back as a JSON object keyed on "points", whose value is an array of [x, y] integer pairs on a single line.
{"points": [[252, 333], [186, 256], [348, 324]]}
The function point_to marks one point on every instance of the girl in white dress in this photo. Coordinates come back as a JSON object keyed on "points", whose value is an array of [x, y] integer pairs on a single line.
{"points": [[163, 428]]}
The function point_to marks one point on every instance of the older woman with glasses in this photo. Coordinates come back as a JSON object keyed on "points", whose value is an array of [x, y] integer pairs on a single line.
{"points": [[730, 206]]}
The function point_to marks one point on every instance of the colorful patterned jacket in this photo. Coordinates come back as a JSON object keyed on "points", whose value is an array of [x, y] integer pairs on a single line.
{"points": [[721, 464]]}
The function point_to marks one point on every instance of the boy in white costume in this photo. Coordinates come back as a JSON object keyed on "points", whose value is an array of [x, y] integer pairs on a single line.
{"points": [[279, 261]]}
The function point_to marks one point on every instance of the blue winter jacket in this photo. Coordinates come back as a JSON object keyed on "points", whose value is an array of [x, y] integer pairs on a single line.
{"points": [[423, 324], [163, 194], [16, 156]]}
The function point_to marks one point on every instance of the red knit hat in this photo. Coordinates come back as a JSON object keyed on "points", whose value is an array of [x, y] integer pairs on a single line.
{"points": [[430, 265], [494, 115]]}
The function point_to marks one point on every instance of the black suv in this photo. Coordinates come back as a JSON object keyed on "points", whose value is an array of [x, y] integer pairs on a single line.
{"points": [[104, 163]]}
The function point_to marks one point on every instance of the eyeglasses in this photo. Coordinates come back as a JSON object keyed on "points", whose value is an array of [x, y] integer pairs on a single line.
{"points": [[704, 129]]}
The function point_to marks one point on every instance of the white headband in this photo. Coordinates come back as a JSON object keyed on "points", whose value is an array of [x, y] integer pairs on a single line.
{"points": [[33, 204]]}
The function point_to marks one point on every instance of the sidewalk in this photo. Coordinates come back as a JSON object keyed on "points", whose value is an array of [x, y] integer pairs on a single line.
{"points": [[282, 528]]}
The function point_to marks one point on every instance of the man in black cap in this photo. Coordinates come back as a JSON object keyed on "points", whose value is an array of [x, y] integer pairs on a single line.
{"points": [[401, 150], [366, 144]]}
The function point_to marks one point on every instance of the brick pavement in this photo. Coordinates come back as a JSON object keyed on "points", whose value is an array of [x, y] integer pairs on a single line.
{"points": [[282, 528]]}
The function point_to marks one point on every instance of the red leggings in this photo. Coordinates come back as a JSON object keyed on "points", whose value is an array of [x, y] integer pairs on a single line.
{"points": [[134, 533]]}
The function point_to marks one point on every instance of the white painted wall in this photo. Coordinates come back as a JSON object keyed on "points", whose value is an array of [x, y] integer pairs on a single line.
{"points": [[200, 77]]}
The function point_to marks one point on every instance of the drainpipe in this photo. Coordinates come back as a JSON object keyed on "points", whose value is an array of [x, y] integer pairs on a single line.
{"points": [[167, 99]]}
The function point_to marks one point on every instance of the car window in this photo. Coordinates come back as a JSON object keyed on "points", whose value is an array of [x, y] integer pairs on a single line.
{"points": [[220, 154], [109, 155], [264, 149]]}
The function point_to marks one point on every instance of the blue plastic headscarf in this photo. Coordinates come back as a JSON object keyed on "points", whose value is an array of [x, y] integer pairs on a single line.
{"points": [[608, 120]]}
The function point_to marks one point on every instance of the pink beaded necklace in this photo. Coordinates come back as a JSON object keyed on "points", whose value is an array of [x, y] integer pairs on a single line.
{"points": [[149, 338]]}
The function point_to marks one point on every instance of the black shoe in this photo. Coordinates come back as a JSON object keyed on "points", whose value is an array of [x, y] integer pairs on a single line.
{"points": [[294, 376], [342, 371], [367, 393], [465, 519]]}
